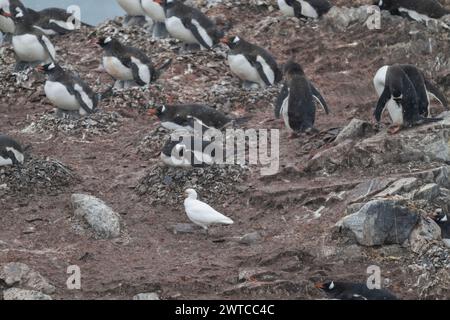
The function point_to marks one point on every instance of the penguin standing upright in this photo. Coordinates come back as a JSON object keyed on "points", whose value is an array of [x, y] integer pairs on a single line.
{"points": [[304, 8], [190, 25], [30, 45], [398, 94], [184, 116], [6, 23], [354, 291], [296, 100], [126, 63], [419, 10], [67, 91], [11, 153], [155, 10], [251, 63]]}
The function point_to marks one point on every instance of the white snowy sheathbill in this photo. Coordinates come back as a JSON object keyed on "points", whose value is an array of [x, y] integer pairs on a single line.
{"points": [[202, 214]]}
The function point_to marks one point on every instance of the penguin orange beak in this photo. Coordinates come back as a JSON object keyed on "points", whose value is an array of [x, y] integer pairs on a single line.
{"points": [[39, 68], [158, 1], [319, 285], [5, 14], [152, 112]]}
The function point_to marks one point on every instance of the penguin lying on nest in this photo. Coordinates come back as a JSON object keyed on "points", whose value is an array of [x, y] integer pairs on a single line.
{"points": [[353, 291], [184, 116], [251, 63], [70, 94], [304, 8], [418, 10], [11, 153], [128, 65], [190, 25], [404, 92], [295, 102], [50, 21]]}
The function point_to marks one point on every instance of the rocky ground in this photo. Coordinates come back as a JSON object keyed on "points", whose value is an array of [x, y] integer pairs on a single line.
{"points": [[318, 218]]}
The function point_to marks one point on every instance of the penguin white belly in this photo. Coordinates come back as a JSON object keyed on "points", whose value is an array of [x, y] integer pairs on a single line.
{"points": [[116, 69], [395, 112], [47, 32], [132, 7], [177, 30], [59, 96], [240, 66], [285, 8], [67, 25], [415, 15], [6, 25], [144, 71], [172, 126], [154, 10], [284, 113], [28, 48], [380, 79], [308, 10]]}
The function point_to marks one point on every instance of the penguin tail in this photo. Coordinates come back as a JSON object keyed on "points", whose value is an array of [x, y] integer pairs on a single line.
{"points": [[161, 69]]}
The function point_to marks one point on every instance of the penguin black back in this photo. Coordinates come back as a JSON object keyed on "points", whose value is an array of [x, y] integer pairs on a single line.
{"points": [[354, 291]]}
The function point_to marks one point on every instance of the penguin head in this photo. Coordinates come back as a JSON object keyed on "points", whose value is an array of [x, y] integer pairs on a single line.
{"points": [[159, 112], [292, 68], [326, 286], [49, 68], [105, 42], [441, 217], [231, 42]]}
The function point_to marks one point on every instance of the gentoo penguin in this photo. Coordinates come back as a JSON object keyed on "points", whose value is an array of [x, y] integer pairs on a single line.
{"points": [[398, 93], [304, 8], [443, 222], [155, 10], [51, 21], [251, 63], [29, 44], [126, 63], [354, 291], [11, 153], [201, 213], [188, 151], [419, 10], [190, 25], [296, 100], [67, 91], [183, 116]]}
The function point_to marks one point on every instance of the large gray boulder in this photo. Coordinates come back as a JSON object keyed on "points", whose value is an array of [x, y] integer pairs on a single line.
{"points": [[354, 130], [20, 275], [380, 222], [101, 218]]}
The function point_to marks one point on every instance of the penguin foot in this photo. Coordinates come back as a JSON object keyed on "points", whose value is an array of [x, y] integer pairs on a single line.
{"points": [[160, 31], [248, 85], [394, 129], [69, 115]]}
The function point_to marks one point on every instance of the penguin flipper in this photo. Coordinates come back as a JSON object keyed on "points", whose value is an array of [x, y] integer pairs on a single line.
{"points": [[279, 103], [43, 40], [188, 24], [436, 93], [320, 99], [73, 91], [384, 98], [297, 8], [136, 76], [261, 72]]}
